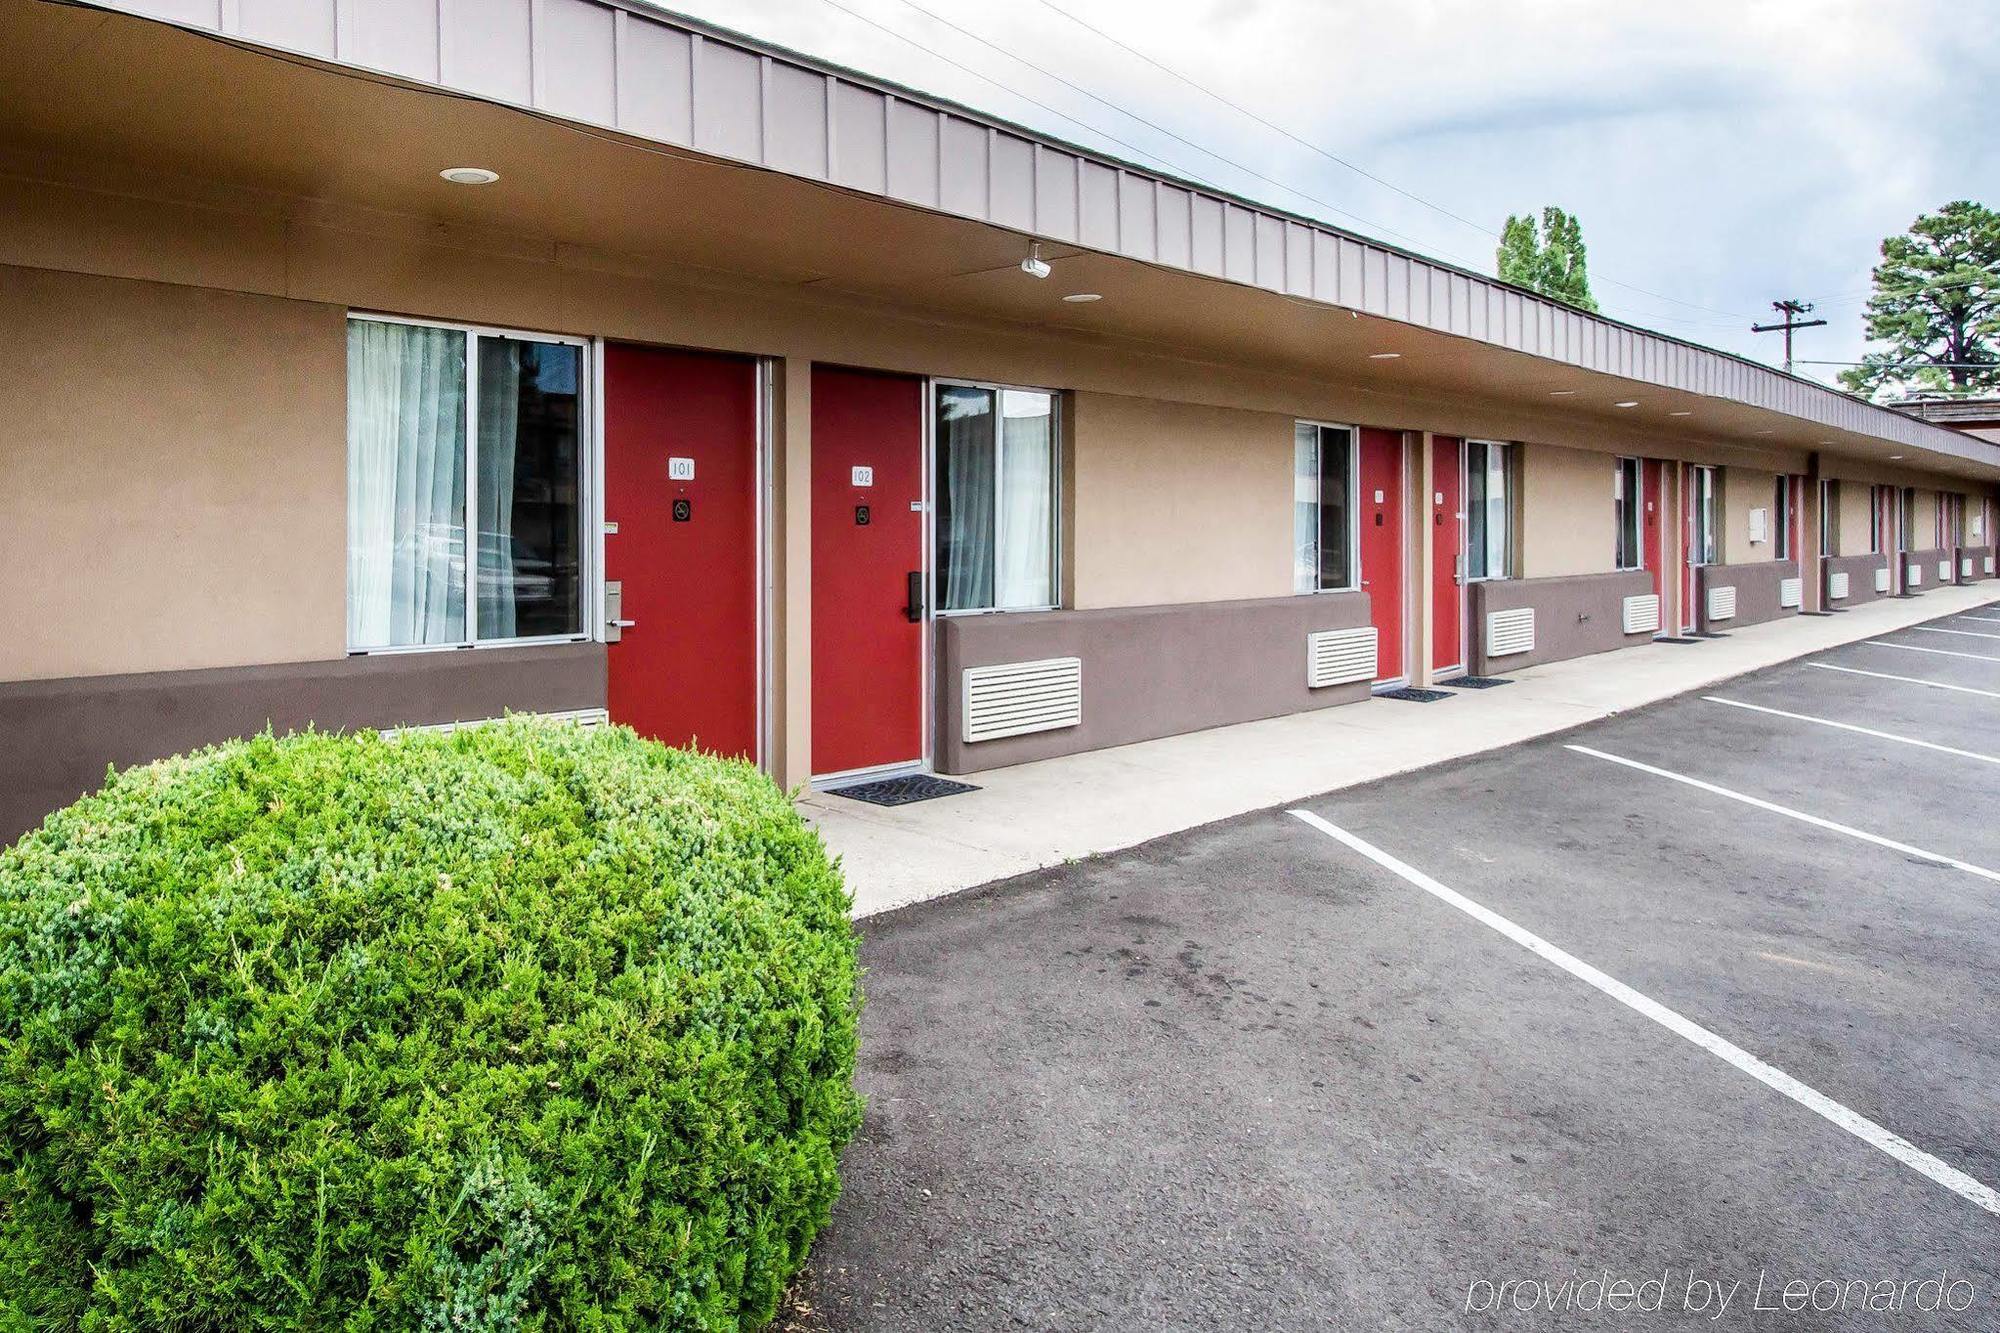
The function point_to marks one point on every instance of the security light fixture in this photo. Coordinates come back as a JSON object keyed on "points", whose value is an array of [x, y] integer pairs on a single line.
{"points": [[1081, 297], [1629, 402], [1034, 265], [469, 175]]}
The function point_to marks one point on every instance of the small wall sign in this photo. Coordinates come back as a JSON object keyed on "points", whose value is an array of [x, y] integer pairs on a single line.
{"points": [[680, 469], [864, 476]]}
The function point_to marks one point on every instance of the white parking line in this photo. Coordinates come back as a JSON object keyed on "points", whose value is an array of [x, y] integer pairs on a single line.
{"points": [[1991, 620], [1849, 726], [1962, 633], [1799, 815], [1941, 652], [1907, 680], [1895, 1145]]}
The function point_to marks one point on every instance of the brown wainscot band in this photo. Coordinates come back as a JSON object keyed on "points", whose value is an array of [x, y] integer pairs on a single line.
{"points": [[1747, 594], [1147, 671], [1865, 579], [61, 734], [1924, 570], [1971, 564], [1574, 615]]}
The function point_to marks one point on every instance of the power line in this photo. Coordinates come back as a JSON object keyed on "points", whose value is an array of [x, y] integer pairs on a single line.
{"points": [[1168, 163], [1241, 110]]}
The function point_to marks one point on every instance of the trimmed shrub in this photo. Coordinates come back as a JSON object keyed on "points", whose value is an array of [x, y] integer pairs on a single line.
{"points": [[526, 1026]]}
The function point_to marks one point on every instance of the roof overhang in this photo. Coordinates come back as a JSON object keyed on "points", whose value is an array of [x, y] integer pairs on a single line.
{"points": [[705, 150]]}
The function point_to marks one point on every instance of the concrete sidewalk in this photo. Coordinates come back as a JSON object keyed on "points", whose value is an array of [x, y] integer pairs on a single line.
{"points": [[1042, 814]]}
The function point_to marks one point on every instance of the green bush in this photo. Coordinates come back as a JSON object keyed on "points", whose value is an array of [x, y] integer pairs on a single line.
{"points": [[527, 1026]]}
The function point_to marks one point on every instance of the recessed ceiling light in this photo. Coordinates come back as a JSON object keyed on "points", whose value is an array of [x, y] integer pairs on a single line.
{"points": [[1081, 297], [1894, 457], [1766, 432], [1629, 402], [469, 175], [1384, 356], [1684, 412], [1562, 393]]}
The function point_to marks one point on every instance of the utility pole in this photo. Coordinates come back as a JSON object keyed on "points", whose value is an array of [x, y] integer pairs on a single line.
{"points": [[1791, 310]]}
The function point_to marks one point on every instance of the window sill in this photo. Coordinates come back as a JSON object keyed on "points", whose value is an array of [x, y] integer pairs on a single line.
{"points": [[543, 641]]}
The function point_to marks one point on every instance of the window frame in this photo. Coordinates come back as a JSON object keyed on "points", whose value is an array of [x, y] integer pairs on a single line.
{"points": [[1829, 517], [1705, 514], [1057, 418], [589, 463], [1781, 518], [1508, 547], [1353, 583], [1629, 507]]}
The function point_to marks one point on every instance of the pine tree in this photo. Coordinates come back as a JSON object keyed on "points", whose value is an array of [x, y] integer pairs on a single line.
{"points": [[1550, 259], [1936, 305]]}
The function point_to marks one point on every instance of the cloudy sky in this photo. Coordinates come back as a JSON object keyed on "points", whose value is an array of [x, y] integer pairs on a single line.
{"points": [[1720, 153]]}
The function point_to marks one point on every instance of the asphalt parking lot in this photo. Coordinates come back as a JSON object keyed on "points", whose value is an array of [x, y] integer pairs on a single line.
{"points": [[1473, 1046]]}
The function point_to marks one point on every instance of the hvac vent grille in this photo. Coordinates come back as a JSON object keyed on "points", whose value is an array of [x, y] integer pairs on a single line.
{"points": [[1642, 613], [1339, 656], [1791, 592], [1944, 571], [1881, 579], [1916, 573], [1965, 568], [1510, 632], [1989, 564], [1019, 697], [1722, 603]]}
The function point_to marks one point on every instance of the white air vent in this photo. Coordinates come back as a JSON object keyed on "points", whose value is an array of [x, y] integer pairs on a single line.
{"points": [[1989, 564], [1791, 592], [1965, 568], [1916, 573], [1339, 656], [1944, 571], [1020, 697], [1642, 613], [1836, 584], [1881, 579], [1510, 632], [1722, 603]]}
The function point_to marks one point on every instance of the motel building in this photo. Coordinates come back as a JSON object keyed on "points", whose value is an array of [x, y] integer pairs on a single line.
{"points": [[401, 362]]}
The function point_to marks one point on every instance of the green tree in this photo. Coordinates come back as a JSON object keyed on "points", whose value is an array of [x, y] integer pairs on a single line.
{"points": [[1936, 306], [1549, 259]]}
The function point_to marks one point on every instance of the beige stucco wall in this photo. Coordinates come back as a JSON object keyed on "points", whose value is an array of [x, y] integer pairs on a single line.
{"points": [[1176, 502], [1745, 489], [1855, 498], [1568, 518], [172, 477]]}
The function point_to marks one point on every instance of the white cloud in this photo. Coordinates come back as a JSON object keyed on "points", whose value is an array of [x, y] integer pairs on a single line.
{"points": [[1721, 153]]}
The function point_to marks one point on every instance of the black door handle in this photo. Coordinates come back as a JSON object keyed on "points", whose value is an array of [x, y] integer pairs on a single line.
{"points": [[913, 606]]}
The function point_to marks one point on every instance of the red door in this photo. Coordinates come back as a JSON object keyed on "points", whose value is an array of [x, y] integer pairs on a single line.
{"points": [[684, 556], [1447, 553], [867, 543], [1381, 511], [1652, 533]]}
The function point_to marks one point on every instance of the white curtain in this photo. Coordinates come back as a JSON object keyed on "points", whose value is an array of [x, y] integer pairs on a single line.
{"points": [[1305, 508], [499, 431], [1025, 560], [965, 498], [405, 484]]}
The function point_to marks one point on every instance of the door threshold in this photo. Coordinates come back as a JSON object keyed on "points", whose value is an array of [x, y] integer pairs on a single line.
{"points": [[855, 776]]}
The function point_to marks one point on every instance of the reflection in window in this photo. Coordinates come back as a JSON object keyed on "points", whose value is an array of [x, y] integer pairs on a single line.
{"points": [[1627, 498], [1322, 508], [1488, 511], [996, 498], [412, 471]]}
